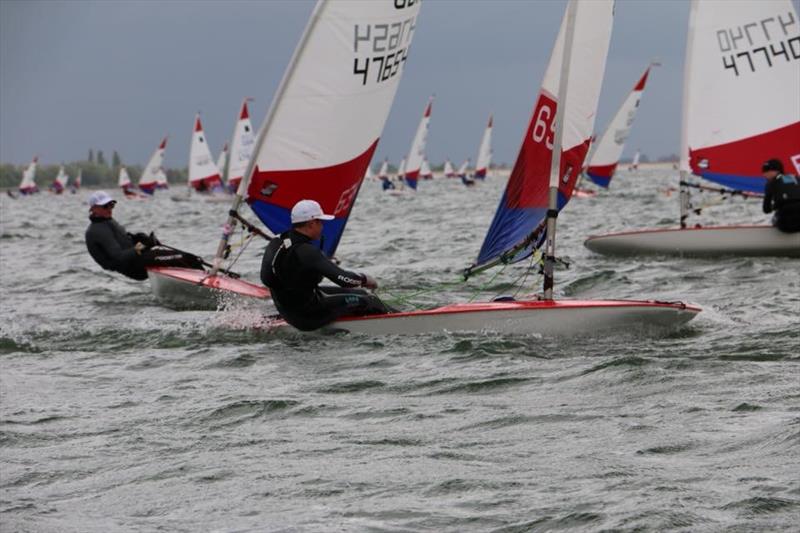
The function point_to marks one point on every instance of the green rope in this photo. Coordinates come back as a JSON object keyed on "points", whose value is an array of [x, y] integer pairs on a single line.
{"points": [[406, 300]]}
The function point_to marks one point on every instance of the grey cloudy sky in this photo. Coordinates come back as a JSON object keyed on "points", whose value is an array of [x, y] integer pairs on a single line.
{"points": [[117, 75]]}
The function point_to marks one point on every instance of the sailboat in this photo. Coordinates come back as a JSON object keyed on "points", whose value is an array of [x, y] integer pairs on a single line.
{"points": [[203, 172], [384, 177], [635, 161], [425, 172], [740, 108], [410, 172], [241, 147], [161, 179], [124, 183], [149, 180], [368, 175], [607, 151], [60, 182], [28, 183], [484, 152], [311, 108], [540, 184], [448, 171], [76, 183], [463, 173]]}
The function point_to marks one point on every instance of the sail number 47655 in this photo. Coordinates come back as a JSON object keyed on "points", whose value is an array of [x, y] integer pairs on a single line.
{"points": [[386, 46]]}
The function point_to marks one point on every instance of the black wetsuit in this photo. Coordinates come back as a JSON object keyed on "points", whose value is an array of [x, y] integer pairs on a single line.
{"points": [[293, 267], [782, 195], [113, 249]]}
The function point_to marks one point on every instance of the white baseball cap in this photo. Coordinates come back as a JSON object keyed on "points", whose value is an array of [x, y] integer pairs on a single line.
{"points": [[100, 198], [306, 210]]}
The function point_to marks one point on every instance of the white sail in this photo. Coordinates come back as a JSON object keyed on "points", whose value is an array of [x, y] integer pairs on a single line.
{"points": [[61, 180], [28, 183], [151, 173], [484, 152], [425, 170], [635, 162], [449, 172], [742, 81], [161, 179], [242, 145], [384, 171], [328, 113], [417, 153], [401, 168], [607, 151], [77, 183], [203, 172], [222, 160], [124, 180], [464, 168], [368, 174]]}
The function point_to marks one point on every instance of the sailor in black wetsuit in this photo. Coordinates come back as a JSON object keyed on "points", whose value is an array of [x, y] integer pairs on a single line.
{"points": [[293, 266], [782, 195], [115, 249]]}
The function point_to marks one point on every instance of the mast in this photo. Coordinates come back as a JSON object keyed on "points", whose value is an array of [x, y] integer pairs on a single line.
{"points": [[555, 162], [685, 169], [241, 191]]}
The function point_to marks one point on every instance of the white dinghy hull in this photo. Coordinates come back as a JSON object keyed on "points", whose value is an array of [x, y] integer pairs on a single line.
{"points": [[549, 318], [745, 241], [186, 288]]}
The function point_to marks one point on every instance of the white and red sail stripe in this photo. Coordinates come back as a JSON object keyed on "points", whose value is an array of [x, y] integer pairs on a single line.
{"points": [[742, 81], [28, 183], [203, 172], [484, 152], [329, 111], [608, 149], [241, 147], [417, 153], [148, 182]]}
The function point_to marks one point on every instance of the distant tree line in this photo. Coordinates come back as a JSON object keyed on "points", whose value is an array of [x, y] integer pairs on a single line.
{"points": [[95, 172]]}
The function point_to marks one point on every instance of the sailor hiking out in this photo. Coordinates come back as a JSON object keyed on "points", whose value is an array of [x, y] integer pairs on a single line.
{"points": [[115, 249], [781, 195], [293, 267]]}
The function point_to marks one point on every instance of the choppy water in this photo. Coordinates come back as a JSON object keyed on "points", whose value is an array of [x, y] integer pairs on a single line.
{"points": [[120, 415]]}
